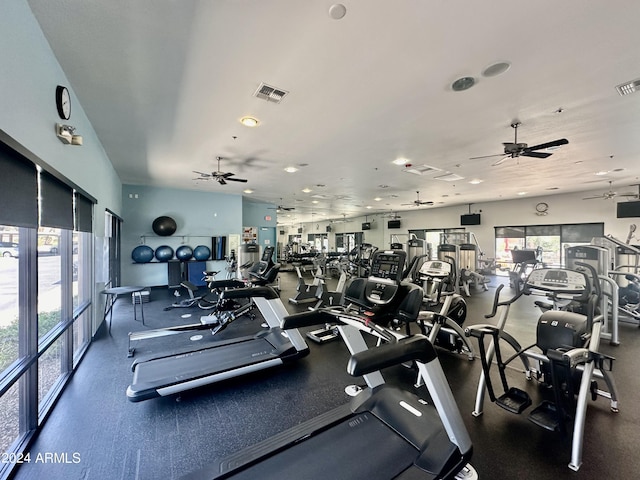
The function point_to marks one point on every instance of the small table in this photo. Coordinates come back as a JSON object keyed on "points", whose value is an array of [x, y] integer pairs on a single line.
{"points": [[112, 296]]}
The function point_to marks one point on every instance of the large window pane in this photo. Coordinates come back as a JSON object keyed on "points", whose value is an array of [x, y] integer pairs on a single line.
{"points": [[49, 279], [550, 245], [9, 418], [9, 275], [81, 334], [81, 277], [49, 369]]}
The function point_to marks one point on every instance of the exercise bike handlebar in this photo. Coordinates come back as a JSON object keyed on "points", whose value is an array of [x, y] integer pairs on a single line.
{"points": [[496, 299]]}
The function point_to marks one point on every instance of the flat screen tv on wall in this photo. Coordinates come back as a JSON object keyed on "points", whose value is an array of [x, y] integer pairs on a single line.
{"points": [[470, 219], [393, 224], [628, 209]]}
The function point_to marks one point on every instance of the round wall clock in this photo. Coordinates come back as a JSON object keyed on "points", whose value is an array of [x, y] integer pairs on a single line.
{"points": [[542, 207], [63, 102]]}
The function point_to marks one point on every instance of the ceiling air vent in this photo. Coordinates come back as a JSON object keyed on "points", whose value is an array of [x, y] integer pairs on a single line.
{"points": [[449, 177], [421, 169], [269, 93], [628, 87]]}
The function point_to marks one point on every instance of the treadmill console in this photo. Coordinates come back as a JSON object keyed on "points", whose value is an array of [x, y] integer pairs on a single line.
{"points": [[557, 280], [386, 275]]}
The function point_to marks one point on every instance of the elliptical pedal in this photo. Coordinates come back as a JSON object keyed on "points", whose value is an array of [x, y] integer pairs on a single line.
{"points": [[545, 415], [514, 400]]}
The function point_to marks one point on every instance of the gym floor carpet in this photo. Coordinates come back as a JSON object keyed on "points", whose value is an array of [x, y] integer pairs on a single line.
{"points": [[167, 437]]}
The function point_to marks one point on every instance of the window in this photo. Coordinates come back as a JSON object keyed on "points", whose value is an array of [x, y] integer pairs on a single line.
{"points": [[45, 293], [553, 239]]}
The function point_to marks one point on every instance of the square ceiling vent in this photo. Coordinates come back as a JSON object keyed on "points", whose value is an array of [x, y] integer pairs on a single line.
{"points": [[449, 177], [269, 93], [421, 169]]}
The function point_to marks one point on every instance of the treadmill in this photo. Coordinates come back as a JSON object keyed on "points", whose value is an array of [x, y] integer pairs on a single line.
{"points": [[384, 432], [178, 371]]}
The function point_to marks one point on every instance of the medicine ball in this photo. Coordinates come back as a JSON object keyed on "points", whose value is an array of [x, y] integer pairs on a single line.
{"points": [[184, 253], [164, 253], [142, 254], [164, 226]]}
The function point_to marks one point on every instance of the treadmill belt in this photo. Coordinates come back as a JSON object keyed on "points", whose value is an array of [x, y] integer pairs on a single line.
{"points": [[360, 447], [170, 370]]}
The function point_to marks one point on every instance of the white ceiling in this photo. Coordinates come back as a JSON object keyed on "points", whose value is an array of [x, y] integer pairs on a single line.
{"points": [[164, 83]]}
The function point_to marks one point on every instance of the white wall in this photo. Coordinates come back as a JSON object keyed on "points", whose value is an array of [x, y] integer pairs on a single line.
{"points": [[563, 209], [30, 74]]}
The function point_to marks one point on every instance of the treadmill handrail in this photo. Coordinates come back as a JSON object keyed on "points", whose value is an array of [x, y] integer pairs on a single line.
{"points": [[405, 349]]}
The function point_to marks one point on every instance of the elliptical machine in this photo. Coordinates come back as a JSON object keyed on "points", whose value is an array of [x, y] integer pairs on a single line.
{"points": [[446, 310], [568, 359]]}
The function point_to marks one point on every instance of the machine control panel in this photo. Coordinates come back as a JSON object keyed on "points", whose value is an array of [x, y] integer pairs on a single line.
{"points": [[557, 280], [387, 266], [386, 275], [435, 269]]}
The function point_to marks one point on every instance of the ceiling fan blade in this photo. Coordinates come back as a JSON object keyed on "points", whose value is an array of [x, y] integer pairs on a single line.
{"points": [[527, 153], [501, 161], [221, 181], [594, 197], [425, 203], [542, 146], [487, 156], [243, 180], [202, 174]]}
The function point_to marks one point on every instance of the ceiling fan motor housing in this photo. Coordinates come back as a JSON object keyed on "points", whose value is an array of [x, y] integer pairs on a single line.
{"points": [[513, 148]]}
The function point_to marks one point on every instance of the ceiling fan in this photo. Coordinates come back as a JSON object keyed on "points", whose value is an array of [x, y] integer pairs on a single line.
{"points": [[515, 149], [417, 202], [281, 208], [612, 194], [219, 176]]}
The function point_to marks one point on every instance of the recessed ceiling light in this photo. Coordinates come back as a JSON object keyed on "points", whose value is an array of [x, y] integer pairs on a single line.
{"points": [[400, 161], [369, 206], [601, 172], [337, 11], [463, 83], [522, 193], [249, 121], [475, 181], [314, 201], [248, 190], [306, 190], [377, 199], [496, 69], [290, 169]]}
